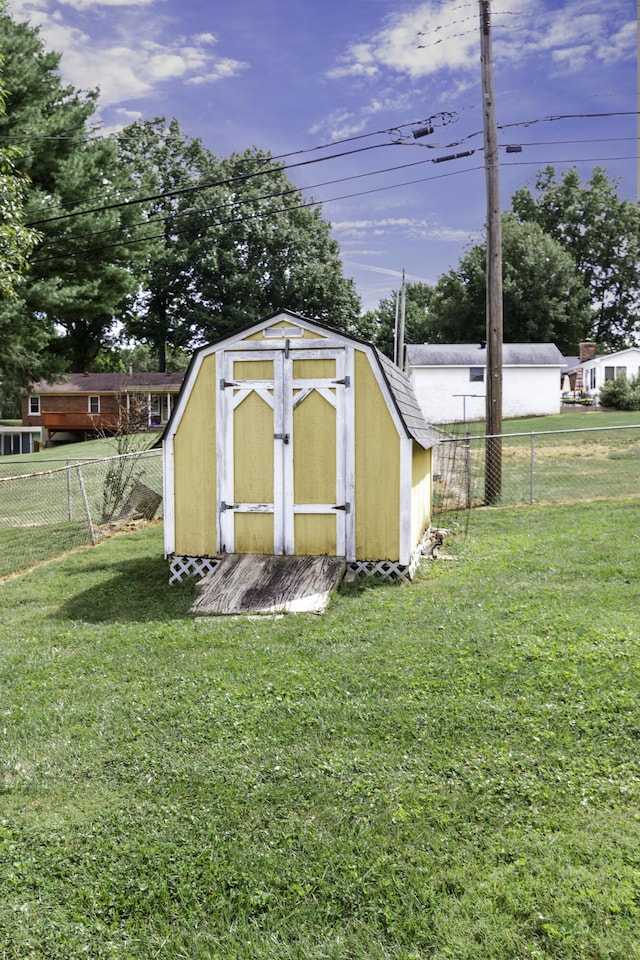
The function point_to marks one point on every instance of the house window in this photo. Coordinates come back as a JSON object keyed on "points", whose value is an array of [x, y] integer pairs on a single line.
{"points": [[476, 374], [34, 406], [591, 376], [94, 404], [610, 373]]}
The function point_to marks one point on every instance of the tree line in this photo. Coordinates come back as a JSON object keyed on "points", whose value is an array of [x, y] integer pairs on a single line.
{"points": [[146, 237], [571, 272]]}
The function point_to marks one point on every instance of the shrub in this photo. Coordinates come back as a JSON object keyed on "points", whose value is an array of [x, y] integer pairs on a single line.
{"points": [[621, 393]]}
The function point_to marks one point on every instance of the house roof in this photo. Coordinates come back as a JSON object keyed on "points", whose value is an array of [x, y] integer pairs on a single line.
{"points": [[604, 358], [475, 355], [110, 383]]}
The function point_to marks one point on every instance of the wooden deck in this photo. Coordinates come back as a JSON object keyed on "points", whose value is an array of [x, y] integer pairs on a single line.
{"points": [[259, 583]]}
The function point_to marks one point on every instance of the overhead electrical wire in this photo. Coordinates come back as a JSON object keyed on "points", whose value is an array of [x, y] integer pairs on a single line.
{"points": [[388, 131], [315, 203], [268, 160]]}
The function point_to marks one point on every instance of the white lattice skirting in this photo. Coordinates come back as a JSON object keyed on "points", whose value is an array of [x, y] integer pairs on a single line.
{"points": [[180, 567], [389, 569]]}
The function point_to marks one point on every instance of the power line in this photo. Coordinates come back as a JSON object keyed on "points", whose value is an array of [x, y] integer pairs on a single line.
{"points": [[313, 203], [388, 131], [445, 117], [297, 206]]}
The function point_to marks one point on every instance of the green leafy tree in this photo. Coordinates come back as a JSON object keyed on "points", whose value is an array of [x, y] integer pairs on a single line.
{"points": [[16, 240], [80, 273], [378, 326], [602, 234], [544, 299], [257, 247], [16, 243], [166, 311]]}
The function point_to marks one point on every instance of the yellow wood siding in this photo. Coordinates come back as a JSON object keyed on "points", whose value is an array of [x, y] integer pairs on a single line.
{"points": [[315, 535], [420, 493], [253, 370], [313, 369], [253, 451], [314, 472], [195, 468], [254, 533], [377, 469]]}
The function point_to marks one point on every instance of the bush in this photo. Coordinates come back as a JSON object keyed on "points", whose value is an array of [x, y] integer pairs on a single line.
{"points": [[621, 394]]}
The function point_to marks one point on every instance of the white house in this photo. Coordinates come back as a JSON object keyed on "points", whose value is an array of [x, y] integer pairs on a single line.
{"points": [[449, 379], [592, 371]]}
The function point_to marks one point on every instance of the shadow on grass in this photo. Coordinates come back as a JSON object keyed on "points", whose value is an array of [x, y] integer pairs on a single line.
{"points": [[137, 591]]}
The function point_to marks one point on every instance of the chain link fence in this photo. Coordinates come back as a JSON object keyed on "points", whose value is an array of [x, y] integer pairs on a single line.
{"points": [[76, 502], [546, 466], [72, 503]]}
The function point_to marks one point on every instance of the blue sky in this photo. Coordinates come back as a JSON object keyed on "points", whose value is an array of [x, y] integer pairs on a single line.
{"points": [[295, 75]]}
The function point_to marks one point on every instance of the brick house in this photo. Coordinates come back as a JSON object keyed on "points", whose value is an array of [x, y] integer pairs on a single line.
{"points": [[85, 405]]}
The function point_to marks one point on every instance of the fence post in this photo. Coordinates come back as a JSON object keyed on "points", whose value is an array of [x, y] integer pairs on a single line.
{"points": [[533, 469], [86, 504], [69, 500], [467, 470]]}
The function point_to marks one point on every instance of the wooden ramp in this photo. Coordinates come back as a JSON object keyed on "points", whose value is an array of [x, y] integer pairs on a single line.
{"points": [[260, 583]]}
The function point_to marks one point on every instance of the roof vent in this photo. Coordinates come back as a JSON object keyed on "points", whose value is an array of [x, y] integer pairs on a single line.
{"points": [[483, 344]]}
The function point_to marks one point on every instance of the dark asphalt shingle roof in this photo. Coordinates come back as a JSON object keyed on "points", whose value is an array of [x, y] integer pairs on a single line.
{"points": [[110, 383], [473, 355], [406, 404]]}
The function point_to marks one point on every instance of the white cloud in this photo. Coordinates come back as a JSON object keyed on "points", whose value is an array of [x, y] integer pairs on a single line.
{"points": [[412, 227], [95, 4], [128, 70], [434, 37]]}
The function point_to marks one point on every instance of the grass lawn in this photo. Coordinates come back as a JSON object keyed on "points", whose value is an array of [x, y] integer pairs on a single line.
{"points": [[598, 462], [448, 769]]}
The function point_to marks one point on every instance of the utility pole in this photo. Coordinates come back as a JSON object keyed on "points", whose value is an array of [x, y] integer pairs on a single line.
{"points": [[401, 324], [493, 460]]}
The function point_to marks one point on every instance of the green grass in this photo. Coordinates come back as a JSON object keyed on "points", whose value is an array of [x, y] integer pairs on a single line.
{"points": [[59, 454], [444, 770], [567, 466]]}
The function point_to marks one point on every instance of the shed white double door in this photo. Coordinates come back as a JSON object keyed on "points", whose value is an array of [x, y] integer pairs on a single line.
{"points": [[284, 431]]}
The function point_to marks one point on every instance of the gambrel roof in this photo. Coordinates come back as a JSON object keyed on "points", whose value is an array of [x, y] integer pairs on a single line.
{"points": [[397, 383], [405, 399]]}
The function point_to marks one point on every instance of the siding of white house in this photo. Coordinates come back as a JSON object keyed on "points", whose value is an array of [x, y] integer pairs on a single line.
{"points": [[442, 380], [605, 367]]}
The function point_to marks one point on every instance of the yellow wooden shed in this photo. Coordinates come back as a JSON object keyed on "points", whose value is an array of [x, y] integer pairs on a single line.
{"points": [[291, 438]]}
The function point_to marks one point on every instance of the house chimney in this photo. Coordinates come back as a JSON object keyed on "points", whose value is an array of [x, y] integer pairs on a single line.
{"points": [[587, 350]]}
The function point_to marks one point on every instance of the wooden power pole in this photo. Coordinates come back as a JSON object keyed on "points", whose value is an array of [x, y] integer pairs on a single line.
{"points": [[493, 460]]}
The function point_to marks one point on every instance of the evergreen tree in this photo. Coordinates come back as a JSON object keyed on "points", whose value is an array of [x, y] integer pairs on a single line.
{"points": [[81, 271]]}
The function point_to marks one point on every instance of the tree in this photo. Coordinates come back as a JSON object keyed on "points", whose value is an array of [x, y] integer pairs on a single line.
{"points": [[602, 234], [166, 310], [16, 243], [80, 272], [257, 247], [378, 326], [544, 298], [16, 240]]}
